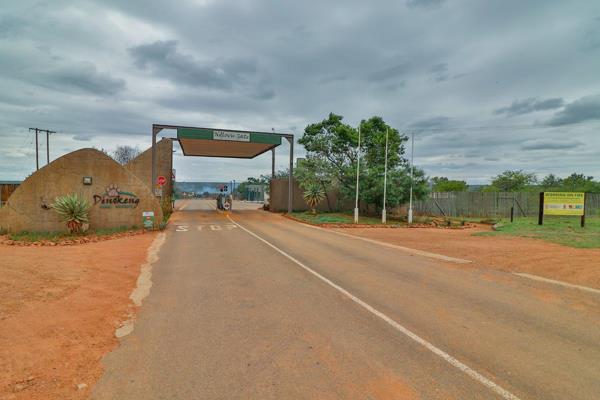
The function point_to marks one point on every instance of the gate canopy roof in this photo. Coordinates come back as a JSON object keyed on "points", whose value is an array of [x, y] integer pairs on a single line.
{"points": [[208, 142]]}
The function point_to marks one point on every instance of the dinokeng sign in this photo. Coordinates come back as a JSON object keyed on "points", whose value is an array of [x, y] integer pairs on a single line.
{"points": [[113, 197]]}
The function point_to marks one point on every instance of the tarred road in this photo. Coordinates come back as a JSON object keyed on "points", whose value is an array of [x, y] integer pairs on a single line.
{"points": [[273, 309]]}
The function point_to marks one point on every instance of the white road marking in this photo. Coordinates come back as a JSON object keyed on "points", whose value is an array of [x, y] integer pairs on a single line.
{"points": [[394, 246], [505, 394], [215, 227], [182, 228], [561, 283]]}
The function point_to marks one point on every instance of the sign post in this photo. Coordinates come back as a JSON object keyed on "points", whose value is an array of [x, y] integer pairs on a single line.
{"points": [[562, 203], [148, 219]]}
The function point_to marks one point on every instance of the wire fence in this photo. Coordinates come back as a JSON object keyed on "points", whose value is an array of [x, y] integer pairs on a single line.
{"points": [[490, 204]]}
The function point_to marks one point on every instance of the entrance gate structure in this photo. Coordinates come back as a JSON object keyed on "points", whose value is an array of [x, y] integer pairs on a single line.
{"points": [[226, 143]]}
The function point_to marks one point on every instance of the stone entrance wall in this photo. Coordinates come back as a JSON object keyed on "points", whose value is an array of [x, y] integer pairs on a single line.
{"points": [[141, 166], [117, 196]]}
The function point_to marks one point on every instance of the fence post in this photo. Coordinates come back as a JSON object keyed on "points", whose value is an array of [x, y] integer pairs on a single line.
{"points": [[541, 210], [583, 215]]}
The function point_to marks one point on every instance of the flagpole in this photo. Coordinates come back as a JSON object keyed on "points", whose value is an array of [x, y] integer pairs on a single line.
{"points": [[412, 159], [383, 212], [357, 175]]}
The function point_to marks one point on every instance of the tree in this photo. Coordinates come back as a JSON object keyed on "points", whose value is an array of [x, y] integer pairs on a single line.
{"points": [[580, 183], [313, 195], [443, 184], [512, 181], [551, 182], [124, 154], [333, 144], [313, 171]]}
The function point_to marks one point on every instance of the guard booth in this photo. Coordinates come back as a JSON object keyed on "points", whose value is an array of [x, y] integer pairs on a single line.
{"points": [[226, 143], [255, 193]]}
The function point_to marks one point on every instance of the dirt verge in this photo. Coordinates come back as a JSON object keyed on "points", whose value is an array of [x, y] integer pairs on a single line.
{"points": [[59, 308], [513, 254]]}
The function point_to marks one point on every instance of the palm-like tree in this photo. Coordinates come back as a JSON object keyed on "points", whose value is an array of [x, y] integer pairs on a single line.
{"points": [[73, 210], [313, 195]]}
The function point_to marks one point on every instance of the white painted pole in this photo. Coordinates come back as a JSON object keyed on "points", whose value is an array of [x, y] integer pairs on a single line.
{"points": [[357, 175], [383, 212], [412, 168]]}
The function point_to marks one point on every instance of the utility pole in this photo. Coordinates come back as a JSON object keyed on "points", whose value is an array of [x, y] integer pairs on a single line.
{"points": [[37, 159], [357, 175], [412, 169], [383, 212], [48, 132]]}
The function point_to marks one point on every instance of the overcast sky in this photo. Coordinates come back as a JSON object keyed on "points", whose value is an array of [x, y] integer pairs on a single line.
{"points": [[485, 85]]}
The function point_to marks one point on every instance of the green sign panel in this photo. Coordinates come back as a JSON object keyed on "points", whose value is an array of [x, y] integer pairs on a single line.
{"points": [[148, 219], [227, 135]]}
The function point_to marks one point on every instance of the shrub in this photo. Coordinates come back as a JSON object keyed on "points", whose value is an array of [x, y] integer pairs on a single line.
{"points": [[73, 210], [167, 207], [313, 195]]}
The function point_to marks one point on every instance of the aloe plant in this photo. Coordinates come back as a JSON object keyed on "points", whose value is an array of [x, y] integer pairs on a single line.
{"points": [[73, 210], [313, 195]]}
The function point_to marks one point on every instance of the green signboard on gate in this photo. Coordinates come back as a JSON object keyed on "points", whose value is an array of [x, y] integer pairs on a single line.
{"points": [[228, 135]]}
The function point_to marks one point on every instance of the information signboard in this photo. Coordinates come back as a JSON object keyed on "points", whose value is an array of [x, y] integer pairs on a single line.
{"points": [[564, 203], [148, 219]]}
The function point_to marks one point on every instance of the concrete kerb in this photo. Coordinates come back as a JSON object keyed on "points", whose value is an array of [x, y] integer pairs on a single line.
{"points": [[143, 285]]}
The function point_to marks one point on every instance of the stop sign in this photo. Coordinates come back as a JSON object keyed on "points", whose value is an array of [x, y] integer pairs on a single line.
{"points": [[161, 180]]}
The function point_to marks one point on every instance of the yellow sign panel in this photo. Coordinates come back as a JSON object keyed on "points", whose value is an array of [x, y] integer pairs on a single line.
{"points": [[564, 203]]}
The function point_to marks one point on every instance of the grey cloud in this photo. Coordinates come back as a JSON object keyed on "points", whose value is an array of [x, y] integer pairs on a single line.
{"points": [[332, 78], [264, 91], [591, 38], [82, 138], [389, 73], [434, 122], [439, 72], [424, 3], [80, 77], [532, 104], [231, 62], [11, 26], [549, 144], [581, 110], [430, 126], [165, 60]]}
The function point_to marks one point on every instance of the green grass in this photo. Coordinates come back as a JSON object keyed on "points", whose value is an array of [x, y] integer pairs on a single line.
{"points": [[348, 218], [59, 236], [561, 230], [337, 218]]}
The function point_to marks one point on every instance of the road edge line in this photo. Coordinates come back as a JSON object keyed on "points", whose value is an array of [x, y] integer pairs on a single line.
{"points": [[409, 250], [556, 282], [505, 394]]}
